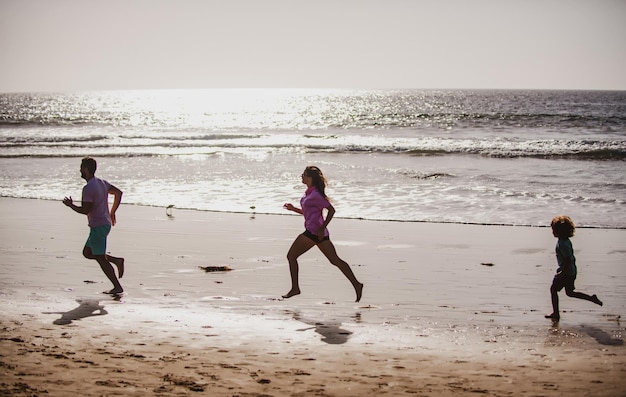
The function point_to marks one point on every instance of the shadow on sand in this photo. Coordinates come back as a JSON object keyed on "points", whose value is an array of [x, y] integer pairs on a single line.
{"points": [[86, 308], [602, 337], [331, 331]]}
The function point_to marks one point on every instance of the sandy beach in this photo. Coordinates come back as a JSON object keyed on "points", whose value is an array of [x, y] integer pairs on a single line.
{"points": [[447, 309]]}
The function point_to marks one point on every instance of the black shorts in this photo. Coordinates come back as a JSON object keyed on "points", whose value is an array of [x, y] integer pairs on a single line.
{"points": [[314, 237], [560, 281]]}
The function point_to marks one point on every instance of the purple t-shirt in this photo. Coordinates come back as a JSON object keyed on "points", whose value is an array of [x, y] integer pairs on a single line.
{"points": [[96, 191], [312, 204]]}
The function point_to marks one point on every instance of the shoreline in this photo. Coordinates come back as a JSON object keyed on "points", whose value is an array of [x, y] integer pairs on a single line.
{"points": [[447, 308], [255, 213]]}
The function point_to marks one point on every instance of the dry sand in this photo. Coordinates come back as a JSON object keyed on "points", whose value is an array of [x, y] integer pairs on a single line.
{"points": [[447, 309]]}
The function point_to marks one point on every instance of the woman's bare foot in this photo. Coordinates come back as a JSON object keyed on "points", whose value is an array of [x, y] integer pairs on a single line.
{"points": [[553, 316], [293, 292], [359, 292], [595, 300], [114, 291]]}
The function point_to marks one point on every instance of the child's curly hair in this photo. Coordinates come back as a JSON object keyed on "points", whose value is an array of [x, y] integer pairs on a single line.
{"points": [[563, 226]]}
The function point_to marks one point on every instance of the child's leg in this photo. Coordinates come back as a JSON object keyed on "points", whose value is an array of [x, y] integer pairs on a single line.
{"points": [[555, 302], [580, 295]]}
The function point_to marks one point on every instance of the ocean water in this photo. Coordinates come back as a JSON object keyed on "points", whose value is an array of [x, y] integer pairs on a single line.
{"points": [[485, 157]]}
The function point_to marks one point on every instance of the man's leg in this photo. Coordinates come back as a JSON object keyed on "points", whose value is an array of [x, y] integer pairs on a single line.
{"points": [[110, 273], [106, 268], [118, 262]]}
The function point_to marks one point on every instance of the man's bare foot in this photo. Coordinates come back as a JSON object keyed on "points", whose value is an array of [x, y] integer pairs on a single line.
{"points": [[114, 291], [119, 263], [291, 293], [359, 292], [595, 300], [553, 316]]}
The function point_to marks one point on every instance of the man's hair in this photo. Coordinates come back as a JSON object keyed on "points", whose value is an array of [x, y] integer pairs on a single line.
{"points": [[90, 164], [563, 226]]}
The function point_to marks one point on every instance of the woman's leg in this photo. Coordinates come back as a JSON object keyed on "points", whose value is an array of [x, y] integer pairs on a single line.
{"points": [[328, 249], [300, 245]]}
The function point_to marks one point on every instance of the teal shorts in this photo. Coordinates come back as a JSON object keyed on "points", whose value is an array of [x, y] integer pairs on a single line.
{"points": [[97, 240]]}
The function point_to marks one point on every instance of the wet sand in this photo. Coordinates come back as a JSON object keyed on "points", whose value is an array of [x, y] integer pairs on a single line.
{"points": [[447, 309]]}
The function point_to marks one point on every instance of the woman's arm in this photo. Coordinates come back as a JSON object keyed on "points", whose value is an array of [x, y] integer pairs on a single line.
{"points": [[290, 207], [329, 217]]}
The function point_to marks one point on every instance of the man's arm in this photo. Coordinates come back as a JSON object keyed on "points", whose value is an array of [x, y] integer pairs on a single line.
{"points": [[84, 208], [117, 193]]}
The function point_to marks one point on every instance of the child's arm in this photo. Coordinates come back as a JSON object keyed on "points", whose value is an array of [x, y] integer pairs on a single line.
{"points": [[566, 265]]}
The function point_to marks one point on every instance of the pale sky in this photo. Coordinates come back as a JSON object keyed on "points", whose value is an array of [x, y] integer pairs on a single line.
{"points": [[77, 45]]}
